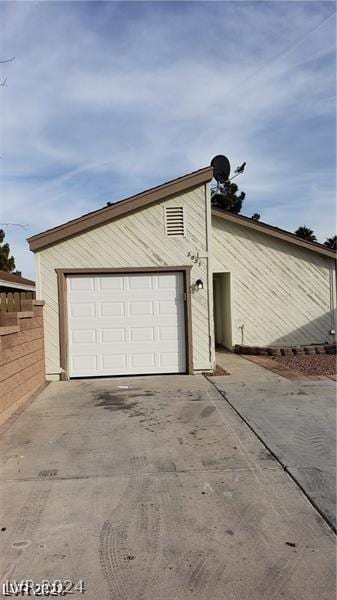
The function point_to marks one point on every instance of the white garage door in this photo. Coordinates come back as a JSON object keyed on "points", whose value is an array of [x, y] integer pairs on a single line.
{"points": [[126, 324]]}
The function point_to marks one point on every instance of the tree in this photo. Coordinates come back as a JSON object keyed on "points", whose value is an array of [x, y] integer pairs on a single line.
{"points": [[225, 197], [7, 262], [331, 242], [255, 217], [306, 233]]}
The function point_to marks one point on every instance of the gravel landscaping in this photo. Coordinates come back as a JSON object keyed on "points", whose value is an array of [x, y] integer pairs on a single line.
{"points": [[217, 371], [316, 364]]}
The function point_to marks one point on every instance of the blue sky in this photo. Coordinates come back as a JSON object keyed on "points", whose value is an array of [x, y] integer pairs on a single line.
{"points": [[106, 99]]}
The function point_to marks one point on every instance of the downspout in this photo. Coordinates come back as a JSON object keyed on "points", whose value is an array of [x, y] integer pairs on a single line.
{"points": [[208, 217], [334, 299]]}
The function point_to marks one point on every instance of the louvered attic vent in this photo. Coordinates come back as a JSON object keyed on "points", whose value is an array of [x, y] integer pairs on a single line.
{"points": [[174, 221]]}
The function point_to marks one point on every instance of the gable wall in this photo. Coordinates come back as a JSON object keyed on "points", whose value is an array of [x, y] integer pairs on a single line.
{"points": [[136, 240], [281, 293]]}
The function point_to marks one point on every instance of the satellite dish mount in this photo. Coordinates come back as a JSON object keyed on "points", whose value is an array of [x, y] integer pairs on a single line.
{"points": [[221, 169]]}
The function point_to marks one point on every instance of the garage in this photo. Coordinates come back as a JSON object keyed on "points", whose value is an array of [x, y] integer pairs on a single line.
{"points": [[126, 323], [128, 288]]}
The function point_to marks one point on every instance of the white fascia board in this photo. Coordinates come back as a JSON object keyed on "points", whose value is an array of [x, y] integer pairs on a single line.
{"points": [[18, 286]]}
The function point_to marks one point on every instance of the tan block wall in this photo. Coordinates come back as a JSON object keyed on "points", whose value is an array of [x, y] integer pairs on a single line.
{"points": [[22, 365]]}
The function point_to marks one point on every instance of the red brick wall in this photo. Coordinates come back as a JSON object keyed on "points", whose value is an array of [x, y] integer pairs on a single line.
{"points": [[22, 368]]}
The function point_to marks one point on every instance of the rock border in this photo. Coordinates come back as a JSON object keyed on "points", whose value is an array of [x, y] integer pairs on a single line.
{"points": [[285, 350]]}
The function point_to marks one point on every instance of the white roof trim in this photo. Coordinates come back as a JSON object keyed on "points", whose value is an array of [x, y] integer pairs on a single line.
{"points": [[18, 286]]}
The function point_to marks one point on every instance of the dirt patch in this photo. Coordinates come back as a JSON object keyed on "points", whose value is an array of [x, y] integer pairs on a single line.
{"points": [[316, 364]]}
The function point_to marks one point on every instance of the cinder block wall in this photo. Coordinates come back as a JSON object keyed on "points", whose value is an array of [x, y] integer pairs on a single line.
{"points": [[22, 365]]}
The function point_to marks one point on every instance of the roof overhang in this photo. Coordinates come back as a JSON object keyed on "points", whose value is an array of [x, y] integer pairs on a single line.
{"points": [[119, 209], [17, 286], [275, 232]]}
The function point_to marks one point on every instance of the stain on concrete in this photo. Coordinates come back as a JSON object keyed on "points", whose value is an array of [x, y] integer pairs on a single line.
{"points": [[114, 401], [167, 467], [20, 544], [47, 473], [264, 454], [194, 397], [119, 400], [207, 411]]}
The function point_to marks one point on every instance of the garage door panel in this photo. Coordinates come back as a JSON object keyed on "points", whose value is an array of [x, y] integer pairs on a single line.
{"points": [[84, 363], [82, 284], [142, 282], [111, 309], [142, 334], [143, 359], [106, 284], [140, 308], [83, 336], [166, 334], [169, 359], [113, 361], [168, 307], [84, 309], [169, 282], [112, 335], [126, 324]]}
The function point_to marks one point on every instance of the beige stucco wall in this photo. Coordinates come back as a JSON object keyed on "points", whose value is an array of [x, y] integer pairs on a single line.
{"points": [[136, 240], [280, 293]]}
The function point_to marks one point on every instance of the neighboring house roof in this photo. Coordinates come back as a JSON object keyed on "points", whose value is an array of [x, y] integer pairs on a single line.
{"points": [[276, 232], [162, 192], [15, 281], [118, 209]]}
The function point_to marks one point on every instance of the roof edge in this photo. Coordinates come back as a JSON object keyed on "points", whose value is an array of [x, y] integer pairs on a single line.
{"points": [[281, 234], [16, 286], [118, 209], [13, 278]]}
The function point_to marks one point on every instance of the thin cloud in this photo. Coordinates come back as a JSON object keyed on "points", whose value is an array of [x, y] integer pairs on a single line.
{"points": [[104, 100]]}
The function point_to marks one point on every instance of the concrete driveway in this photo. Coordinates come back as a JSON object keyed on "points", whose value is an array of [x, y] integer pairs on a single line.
{"points": [[149, 488], [295, 419]]}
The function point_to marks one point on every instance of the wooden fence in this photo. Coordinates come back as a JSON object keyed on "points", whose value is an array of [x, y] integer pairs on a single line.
{"points": [[11, 302]]}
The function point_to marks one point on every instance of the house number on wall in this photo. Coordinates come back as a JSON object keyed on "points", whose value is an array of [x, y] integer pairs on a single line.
{"points": [[195, 258]]}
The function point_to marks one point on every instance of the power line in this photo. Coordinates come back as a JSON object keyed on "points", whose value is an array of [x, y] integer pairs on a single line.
{"points": [[15, 225]]}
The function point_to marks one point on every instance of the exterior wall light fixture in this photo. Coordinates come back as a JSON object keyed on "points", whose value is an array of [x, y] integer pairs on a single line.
{"points": [[197, 286]]}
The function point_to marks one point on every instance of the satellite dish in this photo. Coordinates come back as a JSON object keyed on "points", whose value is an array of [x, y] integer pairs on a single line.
{"points": [[221, 168]]}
